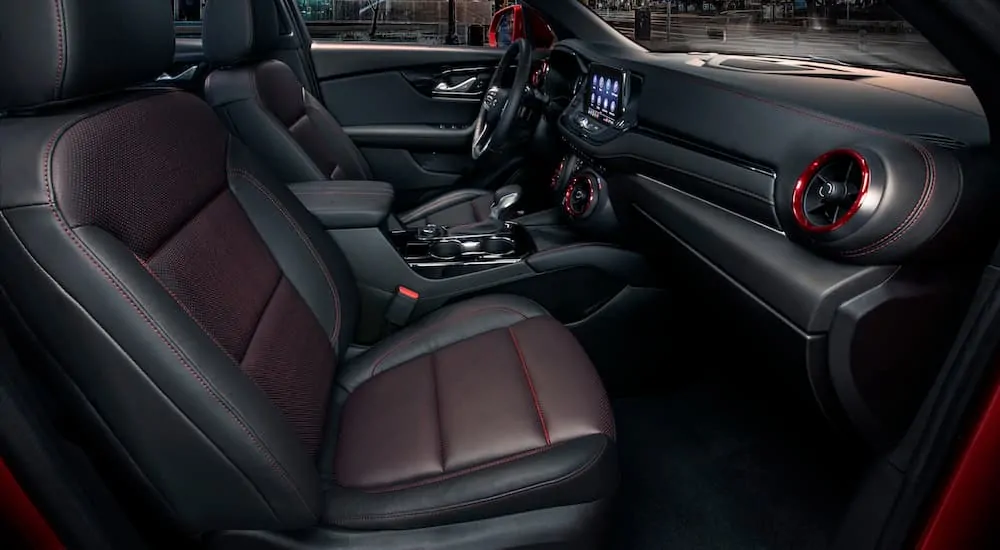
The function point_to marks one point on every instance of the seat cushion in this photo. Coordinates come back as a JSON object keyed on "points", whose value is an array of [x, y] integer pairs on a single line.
{"points": [[460, 207], [486, 408]]}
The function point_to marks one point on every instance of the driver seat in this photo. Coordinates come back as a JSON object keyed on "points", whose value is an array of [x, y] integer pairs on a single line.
{"points": [[265, 105]]}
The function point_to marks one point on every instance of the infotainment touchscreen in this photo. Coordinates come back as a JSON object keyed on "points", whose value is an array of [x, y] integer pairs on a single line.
{"points": [[606, 93]]}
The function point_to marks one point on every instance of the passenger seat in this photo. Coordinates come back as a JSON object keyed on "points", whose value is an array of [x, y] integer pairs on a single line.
{"points": [[265, 105], [199, 320]]}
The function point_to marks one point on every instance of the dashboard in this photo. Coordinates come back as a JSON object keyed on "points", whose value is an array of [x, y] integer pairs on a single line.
{"points": [[836, 209]]}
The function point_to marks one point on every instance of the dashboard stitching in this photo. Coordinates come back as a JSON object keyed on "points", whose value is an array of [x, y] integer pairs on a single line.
{"points": [[918, 210], [930, 170]]}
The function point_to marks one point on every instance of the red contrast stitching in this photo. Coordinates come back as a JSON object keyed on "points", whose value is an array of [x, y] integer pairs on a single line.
{"points": [[531, 386]]}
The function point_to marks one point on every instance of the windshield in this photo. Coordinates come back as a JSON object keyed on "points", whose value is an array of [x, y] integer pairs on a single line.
{"points": [[866, 33]]}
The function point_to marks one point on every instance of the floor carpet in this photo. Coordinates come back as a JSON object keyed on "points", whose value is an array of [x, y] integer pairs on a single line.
{"points": [[714, 467]]}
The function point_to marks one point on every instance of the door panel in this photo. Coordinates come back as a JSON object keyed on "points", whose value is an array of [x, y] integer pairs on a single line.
{"points": [[391, 98], [409, 108], [416, 158]]}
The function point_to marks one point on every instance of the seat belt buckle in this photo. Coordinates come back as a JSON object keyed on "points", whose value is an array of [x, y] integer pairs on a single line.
{"points": [[401, 306]]}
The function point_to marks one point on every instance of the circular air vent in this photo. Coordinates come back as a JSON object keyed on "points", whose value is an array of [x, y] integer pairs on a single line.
{"points": [[830, 191], [580, 195]]}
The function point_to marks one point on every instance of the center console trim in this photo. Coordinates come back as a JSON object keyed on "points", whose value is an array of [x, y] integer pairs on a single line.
{"points": [[419, 252]]}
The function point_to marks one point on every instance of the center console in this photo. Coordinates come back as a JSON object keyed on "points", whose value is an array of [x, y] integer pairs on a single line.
{"points": [[437, 252], [558, 257]]}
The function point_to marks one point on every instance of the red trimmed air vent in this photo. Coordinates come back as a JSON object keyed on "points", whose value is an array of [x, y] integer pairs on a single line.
{"points": [[558, 172], [580, 195], [830, 191]]}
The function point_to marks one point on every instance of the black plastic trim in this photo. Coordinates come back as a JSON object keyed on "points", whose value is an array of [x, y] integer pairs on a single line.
{"points": [[798, 285], [707, 149], [409, 136]]}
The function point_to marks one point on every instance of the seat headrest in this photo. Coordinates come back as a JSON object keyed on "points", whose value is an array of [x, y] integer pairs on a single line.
{"points": [[56, 50], [238, 30]]}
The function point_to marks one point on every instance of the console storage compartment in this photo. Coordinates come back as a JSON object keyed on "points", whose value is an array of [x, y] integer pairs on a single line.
{"points": [[346, 204]]}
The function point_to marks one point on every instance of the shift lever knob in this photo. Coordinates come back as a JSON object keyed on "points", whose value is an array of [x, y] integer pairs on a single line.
{"points": [[505, 197]]}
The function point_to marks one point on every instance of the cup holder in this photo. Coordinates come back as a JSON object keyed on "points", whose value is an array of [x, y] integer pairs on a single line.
{"points": [[446, 250], [497, 246]]}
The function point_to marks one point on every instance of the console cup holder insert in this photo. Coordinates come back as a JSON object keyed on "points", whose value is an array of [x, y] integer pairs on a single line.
{"points": [[446, 250], [498, 246]]}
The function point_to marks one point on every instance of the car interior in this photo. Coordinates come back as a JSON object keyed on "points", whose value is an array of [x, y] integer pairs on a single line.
{"points": [[282, 294]]}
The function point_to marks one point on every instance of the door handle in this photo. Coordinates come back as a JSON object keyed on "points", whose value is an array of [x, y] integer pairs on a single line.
{"points": [[462, 87]]}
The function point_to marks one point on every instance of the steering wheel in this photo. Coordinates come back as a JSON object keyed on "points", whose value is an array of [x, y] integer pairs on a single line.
{"points": [[501, 105]]}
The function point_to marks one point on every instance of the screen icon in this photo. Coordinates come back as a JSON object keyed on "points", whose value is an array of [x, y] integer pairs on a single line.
{"points": [[613, 105], [593, 99], [615, 89], [595, 80], [600, 85], [605, 104]]}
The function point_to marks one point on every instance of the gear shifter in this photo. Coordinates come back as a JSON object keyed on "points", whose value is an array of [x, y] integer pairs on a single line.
{"points": [[505, 198]]}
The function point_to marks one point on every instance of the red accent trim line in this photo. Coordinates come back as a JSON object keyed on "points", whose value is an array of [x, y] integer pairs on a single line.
{"points": [[558, 173], [568, 196], [799, 192], [18, 509], [408, 292], [964, 512]]}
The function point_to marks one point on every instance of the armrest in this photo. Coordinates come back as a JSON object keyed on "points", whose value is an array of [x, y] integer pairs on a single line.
{"points": [[346, 204]]}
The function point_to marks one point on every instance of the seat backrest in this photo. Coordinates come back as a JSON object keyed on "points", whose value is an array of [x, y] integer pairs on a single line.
{"points": [[264, 103], [195, 308]]}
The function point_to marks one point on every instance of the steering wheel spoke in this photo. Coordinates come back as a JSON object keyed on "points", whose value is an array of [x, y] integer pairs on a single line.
{"points": [[500, 109]]}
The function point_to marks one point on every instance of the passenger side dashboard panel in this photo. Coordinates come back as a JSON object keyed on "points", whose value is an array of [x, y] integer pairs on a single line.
{"points": [[840, 305]]}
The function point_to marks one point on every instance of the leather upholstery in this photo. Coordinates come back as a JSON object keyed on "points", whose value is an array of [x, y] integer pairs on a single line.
{"points": [[346, 204], [197, 318], [459, 207], [265, 105], [58, 49], [443, 451], [238, 30]]}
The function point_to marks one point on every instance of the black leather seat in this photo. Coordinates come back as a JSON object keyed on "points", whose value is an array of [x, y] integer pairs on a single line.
{"points": [[198, 320], [266, 106]]}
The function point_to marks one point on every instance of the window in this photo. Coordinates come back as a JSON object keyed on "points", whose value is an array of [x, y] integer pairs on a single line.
{"points": [[416, 21], [187, 17], [865, 33]]}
